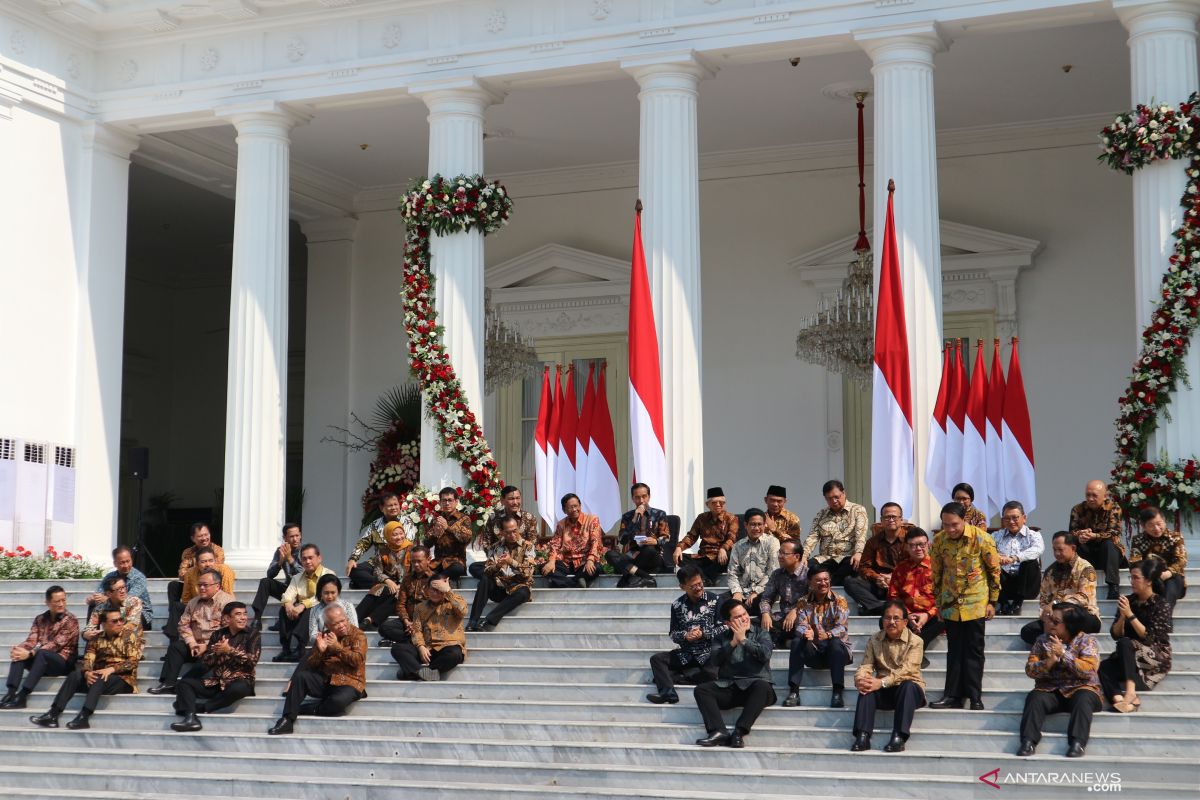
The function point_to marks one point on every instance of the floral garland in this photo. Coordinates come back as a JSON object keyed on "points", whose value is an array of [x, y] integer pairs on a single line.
{"points": [[1135, 139], [442, 206]]}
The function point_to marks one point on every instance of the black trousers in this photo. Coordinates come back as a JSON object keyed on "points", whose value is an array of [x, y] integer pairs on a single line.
{"points": [[829, 654], [964, 658], [394, 629], [933, 628], [43, 662], [712, 570], [476, 570], [175, 610], [1105, 557], [267, 587], [566, 574], [178, 654], [840, 568], [189, 690], [1118, 667], [668, 671], [293, 633], [75, 682], [1030, 631], [409, 659], [904, 699], [334, 700], [1081, 705], [505, 601], [1022, 585], [711, 699], [362, 576], [648, 560], [1173, 589], [865, 592], [376, 608], [452, 572]]}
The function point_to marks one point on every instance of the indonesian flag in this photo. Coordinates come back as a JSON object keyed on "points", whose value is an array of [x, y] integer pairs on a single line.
{"points": [[1019, 481], [956, 417], [891, 398], [935, 461], [553, 511], [645, 381], [564, 476], [995, 424], [543, 466], [583, 439], [974, 467], [602, 489]]}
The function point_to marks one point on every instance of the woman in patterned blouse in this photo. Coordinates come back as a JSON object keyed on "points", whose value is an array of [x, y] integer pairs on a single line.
{"points": [[965, 493], [1063, 664], [1143, 633]]}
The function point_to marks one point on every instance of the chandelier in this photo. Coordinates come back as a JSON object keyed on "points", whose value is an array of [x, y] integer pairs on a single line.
{"points": [[840, 336], [507, 355]]}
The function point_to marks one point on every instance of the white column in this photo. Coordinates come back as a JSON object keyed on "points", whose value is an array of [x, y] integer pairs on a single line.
{"points": [[256, 399], [103, 212], [331, 511], [1163, 69], [456, 148], [905, 150], [669, 186]]}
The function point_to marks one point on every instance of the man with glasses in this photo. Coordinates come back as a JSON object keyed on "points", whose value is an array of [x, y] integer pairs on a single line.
{"points": [[135, 584], [448, 536], [201, 617], [510, 506], [716, 530], [883, 551], [116, 599], [787, 584], [838, 534], [912, 584], [1020, 549]]}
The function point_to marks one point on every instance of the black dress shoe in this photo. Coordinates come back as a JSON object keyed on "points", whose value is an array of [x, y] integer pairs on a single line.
{"points": [[714, 739], [47, 720], [977, 705], [162, 688], [924, 662], [189, 724], [282, 726], [895, 744], [16, 702], [471, 626], [1113, 593], [658, 698], [947, 702], [386, 643], [792, 700], [735, 740], [282, 658], [835, 699], [1014, 609], [80, 723], [1076, 750], [1027, 748], [648, 582], [8, 698], [861, 742]]}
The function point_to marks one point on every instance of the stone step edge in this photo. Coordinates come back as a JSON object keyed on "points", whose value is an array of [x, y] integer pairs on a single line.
{"points": [[450, 763]]}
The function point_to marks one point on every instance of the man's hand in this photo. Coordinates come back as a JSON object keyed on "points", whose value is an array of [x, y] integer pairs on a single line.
{"points": [[198, 649], [91, 676], [867, 684], [391, 586], [18, 653], [1167, 575], [294, 610], [789, 620], [94, 599], [766, 622], [918, 620], [1085, 535], [425, 654], [722, 556], [323, 641], [678, 555], [589, 567], [350, 565], [883, 581], [223, 647], [809, 634], [549, 567], [739, 626], [285, 552], [442, 584], [737, 596], [855, 559], [651, 541], [989, 612], [694, 634]]}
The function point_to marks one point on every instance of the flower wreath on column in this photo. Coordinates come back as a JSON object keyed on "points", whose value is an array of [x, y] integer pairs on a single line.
{"points": [[1135, 139], [444, 206]]}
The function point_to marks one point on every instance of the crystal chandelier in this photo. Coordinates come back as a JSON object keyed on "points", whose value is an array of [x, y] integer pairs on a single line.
{"points": [[840, 336], [507, 355]]}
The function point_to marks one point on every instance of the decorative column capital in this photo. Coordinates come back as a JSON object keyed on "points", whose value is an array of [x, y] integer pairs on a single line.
{"points": [[903, 43], [263, 118], [329, 229], [463, 95], [110, 140], [1172, 16], [681, 70]]}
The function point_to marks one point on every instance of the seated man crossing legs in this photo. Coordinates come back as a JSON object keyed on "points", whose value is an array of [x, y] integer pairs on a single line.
{"points": [[694, 625], [334, 673], [230, 660]]}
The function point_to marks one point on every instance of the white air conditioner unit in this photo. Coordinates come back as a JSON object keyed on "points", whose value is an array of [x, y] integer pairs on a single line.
{"points": [[37, 495]]}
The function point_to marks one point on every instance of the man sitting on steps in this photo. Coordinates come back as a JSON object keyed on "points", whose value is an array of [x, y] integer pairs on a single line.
{"points": [[335, 673], [643, 534], [694, 626], [742, 655], [409, 594], [201, 617], [438, 642], [230, 657], [507, 578], [135, 584], [50, 649], [753, 559], [286, 561]]}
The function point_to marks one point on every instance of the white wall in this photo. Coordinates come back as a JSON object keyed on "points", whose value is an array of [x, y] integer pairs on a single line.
{"points": [[765, 411]]}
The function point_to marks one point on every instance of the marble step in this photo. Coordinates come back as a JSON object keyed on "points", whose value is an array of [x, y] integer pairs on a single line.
{"points": [[724, 769]]}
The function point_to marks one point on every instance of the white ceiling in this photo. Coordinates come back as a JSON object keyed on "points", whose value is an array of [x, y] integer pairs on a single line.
{"points": [[983, 79]]}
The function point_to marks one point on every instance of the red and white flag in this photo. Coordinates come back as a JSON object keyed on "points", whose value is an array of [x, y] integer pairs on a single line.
{"points": [[550, 509], [935, 461], [892, 471], [603, 490], [542, 465], [956, 419], [564, 476], [995, 424], [646, 426], [974, 466], [583, 439], [1019, 478]]}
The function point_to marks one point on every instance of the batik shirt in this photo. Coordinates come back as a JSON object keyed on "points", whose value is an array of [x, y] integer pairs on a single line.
{"points": [[880, 556], [519, 570], [653, 523], [1169, 547], [837, 534], [701, 614], [236, 665], [121, 652], [1070, 583], [751, 564], [411, 592], [576, 542], [135, 586], [371, 536], [527, 528], [343, 662], [1104, 521], [1024, 545], [785, 527], [715, 534], [131, 616], [187, 560], [912, 584], [830, 614], [441, 625], [1076, 670], [786, 587], [450, 543], [58, 634], [966, 574]]}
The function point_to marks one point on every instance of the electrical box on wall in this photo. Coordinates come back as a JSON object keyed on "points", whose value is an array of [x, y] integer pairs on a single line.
{"points": [[37, 495]]}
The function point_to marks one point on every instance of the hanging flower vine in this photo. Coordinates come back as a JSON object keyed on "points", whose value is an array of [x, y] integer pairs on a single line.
{"points": [[443, 206], [1135, 139]]}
